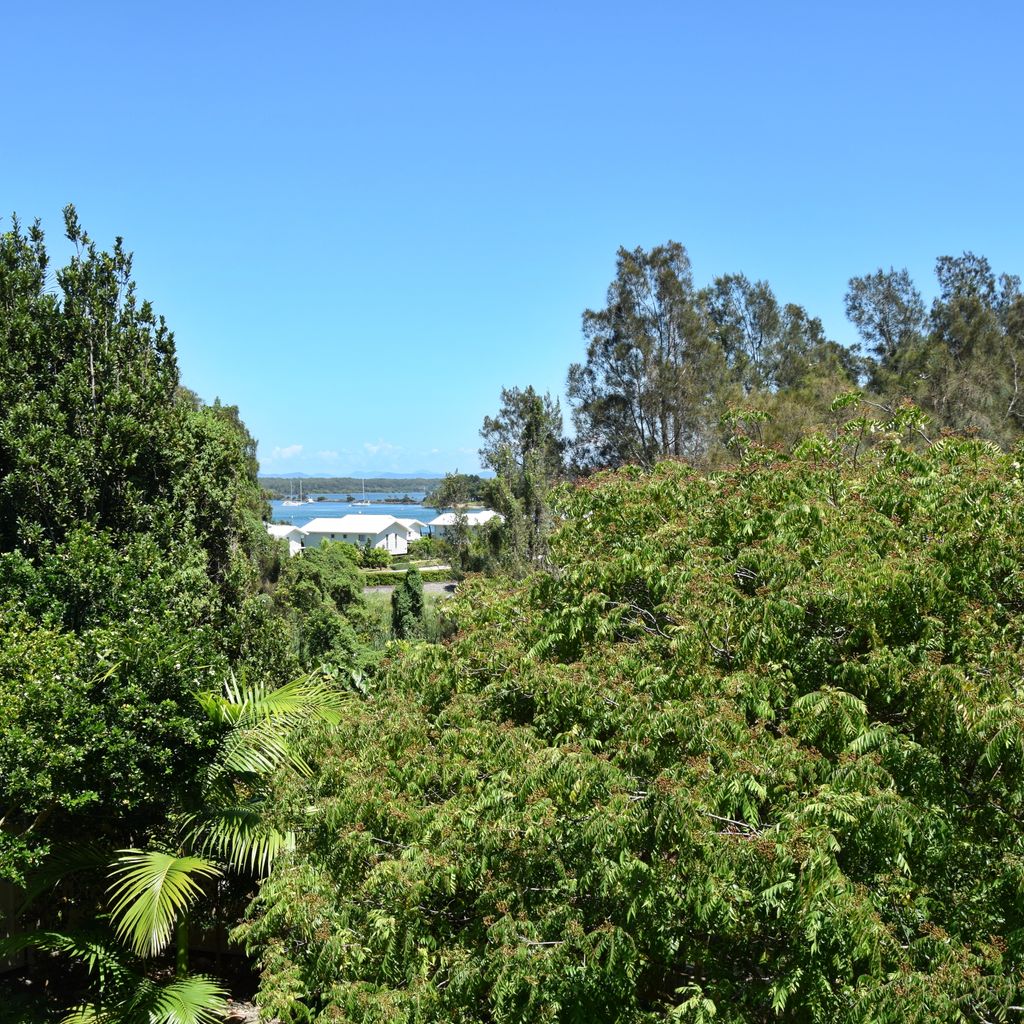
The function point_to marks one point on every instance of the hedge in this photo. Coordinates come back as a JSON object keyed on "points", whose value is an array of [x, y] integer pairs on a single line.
{"points": [[390, 577]]}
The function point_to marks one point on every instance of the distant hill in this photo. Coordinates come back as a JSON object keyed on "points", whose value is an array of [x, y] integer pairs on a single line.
{"points": [[284, 485], [415, 474]]}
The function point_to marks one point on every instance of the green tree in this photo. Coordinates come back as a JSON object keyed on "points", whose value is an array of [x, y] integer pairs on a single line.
{"points": [[454, 493], [888, 311], [646, 390], [407, 606], [962, 362], [87, 434], [752, 751], [132, 570], [525, 447], [975, 353], [748, 325]]}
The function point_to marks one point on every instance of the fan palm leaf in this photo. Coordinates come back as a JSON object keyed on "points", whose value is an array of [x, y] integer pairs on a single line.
{"points": [[195, 999], [291, 704]]}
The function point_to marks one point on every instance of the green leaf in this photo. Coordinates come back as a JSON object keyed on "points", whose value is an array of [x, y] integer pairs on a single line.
{"points": [[149, 892]]}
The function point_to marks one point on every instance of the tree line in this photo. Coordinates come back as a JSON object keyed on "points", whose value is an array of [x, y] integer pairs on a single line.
{"points": [[676, 371]]}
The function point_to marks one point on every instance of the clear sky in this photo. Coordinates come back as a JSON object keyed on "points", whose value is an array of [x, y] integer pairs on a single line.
{"points": [[363, 220]]}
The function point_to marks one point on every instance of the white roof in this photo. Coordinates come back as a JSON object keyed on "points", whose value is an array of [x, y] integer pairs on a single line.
{"points": [[283, 531], [363, 526], [472, 518], [410, 523]]}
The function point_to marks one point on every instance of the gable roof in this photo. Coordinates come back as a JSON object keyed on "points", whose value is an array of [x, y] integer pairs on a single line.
{"points": [[478, 518], [410, 523], [363, 526], [283, 531]]}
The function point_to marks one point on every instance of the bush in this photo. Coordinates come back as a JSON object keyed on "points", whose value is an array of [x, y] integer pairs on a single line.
{"points": [[327, 637], [374, 558], [329, 571], [407, 607], [752, 751], [390, 578], [427, 547]]}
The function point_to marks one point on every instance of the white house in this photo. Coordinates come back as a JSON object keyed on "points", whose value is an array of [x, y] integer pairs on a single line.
{"points": [[415, 529], [285, 531], [384, 532], [440, 525]]}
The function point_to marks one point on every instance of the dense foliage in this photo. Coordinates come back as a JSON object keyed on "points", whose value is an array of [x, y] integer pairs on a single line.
{"points": [[131, 555], [743, 744], [136, 579], [752, 750]]}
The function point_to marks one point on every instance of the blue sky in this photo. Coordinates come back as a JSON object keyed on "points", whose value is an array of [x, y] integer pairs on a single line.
{"points": [[362, 221]]}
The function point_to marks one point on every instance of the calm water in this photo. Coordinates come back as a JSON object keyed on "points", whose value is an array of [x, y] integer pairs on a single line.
{"points": [[335, 506]]}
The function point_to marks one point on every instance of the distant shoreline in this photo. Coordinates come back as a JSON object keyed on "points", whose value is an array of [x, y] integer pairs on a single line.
{"points": [[347, 485]]}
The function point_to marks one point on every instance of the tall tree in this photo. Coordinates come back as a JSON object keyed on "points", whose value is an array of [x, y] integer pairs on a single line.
{"points": [[975, 355], [130, 553], [747, 323], [647, 388], [889, 314], [887, 310], [91, 379], [525, 447]]}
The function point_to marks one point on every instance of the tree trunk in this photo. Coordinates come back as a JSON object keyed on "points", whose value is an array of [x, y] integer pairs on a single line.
{"points": [[181, 946]]}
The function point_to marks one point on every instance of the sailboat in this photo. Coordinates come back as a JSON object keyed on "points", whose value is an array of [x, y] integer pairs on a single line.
{"points": [[363, 500], [291, 500]]}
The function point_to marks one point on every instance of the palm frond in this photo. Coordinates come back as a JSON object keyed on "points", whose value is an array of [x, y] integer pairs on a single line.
{"points": [[257, 751], [149, 892], [300, 700], [262, 723], [63, 861], [92, 949], [87, 1013], [239, 836], [195, 999]]}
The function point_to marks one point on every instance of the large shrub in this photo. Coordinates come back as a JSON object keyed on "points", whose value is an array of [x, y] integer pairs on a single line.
{"points": [[753, 750], [131, 556]]}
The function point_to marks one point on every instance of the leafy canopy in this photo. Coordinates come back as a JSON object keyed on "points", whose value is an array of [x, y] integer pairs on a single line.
{"points": [[752, 750]]}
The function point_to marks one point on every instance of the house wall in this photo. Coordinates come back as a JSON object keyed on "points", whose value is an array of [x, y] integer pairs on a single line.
{"points": [[392, 539]]}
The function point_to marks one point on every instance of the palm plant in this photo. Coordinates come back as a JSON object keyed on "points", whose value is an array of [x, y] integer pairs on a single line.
{"points": [[152, 892]]}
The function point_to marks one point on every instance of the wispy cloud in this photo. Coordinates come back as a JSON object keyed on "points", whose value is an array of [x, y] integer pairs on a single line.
{"points": [[290, 451], [381, 447], [328, 455]]}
